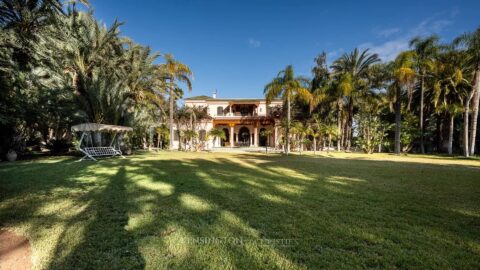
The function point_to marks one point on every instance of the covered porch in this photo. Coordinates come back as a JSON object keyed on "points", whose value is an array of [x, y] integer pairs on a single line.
{"points": [[241, 133]]}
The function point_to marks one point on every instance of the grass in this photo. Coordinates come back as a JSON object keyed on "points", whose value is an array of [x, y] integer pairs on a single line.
{"points": [[246, 211]]}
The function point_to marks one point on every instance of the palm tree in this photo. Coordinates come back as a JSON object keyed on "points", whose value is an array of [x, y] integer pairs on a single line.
{"points": [[301, 131], [404, 77], [351, 70], [287, 86], [315, 131], [425, 49], [173, 72], [450, 89], [313, 97], [217, 133], [189, 136], [471, 43], [331, 131]]}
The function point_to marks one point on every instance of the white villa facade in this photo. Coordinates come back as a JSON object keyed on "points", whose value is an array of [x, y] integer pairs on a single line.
{"points": [[242, 120]]}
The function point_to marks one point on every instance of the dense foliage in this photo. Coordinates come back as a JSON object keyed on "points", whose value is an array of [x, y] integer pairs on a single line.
{"points": [[425, 100], [60, 66]]}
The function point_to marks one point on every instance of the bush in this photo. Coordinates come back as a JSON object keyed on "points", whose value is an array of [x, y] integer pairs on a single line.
{"points": [[59, 146]]}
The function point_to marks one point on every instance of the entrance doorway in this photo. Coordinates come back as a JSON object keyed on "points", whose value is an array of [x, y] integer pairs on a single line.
{"points": [[263, 140], [244, 136]]}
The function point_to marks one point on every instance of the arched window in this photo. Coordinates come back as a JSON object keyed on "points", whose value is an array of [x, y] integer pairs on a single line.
{"points": [[220, 110]]}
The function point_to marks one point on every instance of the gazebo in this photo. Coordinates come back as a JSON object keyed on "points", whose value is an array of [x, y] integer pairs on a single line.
{"points": [[91, 151]]}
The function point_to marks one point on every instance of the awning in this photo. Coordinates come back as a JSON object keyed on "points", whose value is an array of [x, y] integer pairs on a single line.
{"points": [[99, 127]]}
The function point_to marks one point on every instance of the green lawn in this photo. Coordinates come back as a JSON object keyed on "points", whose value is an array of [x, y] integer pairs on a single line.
{"points": [[246, 211]]}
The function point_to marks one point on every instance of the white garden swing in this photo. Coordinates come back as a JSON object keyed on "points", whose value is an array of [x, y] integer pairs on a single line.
{"points": [[86, 141]]}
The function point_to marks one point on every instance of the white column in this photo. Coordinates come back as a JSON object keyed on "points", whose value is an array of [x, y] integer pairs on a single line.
{"points": [[255, 136], [275, 137], [231, 134], [230, 110]]}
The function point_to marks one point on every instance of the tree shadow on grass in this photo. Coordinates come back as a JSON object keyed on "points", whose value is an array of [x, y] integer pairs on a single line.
{"points": [[342, 214], [105, 243]]}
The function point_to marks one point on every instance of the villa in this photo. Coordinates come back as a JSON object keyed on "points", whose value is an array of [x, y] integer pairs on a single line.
{"points": [[242, 120]]}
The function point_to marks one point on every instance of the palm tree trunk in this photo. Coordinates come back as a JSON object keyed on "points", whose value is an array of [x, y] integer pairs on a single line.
{"points": [[475, 105], [398, 120], [314, 145], [422, 87], [350, 124], [466, 113], [171, 121], [329, 142], [287, 130], [339, 123], [450, 134]]}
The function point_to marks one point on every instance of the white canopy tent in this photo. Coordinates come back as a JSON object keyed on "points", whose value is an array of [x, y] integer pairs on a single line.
{"points": [[98, 151]]}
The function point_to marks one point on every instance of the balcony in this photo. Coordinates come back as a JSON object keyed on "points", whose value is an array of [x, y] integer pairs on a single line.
{"points": [[237, 115]]}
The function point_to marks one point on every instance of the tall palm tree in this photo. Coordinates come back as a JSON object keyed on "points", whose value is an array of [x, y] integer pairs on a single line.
{"points": [[471, 43], [174, 72], [404, 77], [450, 90], [313, 97], [352, 69], [287, 86], [425, 49]]}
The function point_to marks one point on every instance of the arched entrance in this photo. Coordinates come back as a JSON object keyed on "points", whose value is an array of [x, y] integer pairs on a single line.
{"points": [[227, 135], [244, 136], [263, 140]]}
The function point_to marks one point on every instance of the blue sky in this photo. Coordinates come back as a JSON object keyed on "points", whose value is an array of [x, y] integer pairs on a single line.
{"points": [[237, 47]]}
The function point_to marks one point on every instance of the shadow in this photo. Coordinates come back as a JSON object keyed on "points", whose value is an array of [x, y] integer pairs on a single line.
{"points": [[105, 242], [229, 211]]}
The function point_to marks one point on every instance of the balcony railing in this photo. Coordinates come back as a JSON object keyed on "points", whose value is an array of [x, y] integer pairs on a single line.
{"points": [[238, 114]]}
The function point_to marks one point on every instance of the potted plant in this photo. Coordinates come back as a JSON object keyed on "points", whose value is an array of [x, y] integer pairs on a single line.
{"points": [[15, 146], [12, 155]]}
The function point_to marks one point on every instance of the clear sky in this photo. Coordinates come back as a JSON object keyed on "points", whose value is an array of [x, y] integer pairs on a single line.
{"points": [[237, 47]]}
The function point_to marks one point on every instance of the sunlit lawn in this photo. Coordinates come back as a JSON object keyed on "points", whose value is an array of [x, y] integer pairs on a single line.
{"points": [[246, 211]]}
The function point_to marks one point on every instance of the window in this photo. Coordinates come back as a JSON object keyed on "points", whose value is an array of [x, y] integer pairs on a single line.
{"points": [[220, 110]]}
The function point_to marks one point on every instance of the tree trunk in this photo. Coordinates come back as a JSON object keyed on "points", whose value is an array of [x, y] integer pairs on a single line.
{"points": [[287, 130], [339, 123], [450, 134], [171, 121], [381, 142], [440, 133], [422, 130], [329, 142], [466, 113], [301, 144], [475, 105], [398, 121], [314, 145], [350, 124]]}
